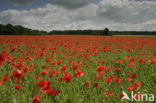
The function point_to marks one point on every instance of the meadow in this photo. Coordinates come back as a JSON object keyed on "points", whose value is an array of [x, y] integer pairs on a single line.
{"points": [[77, 69]]}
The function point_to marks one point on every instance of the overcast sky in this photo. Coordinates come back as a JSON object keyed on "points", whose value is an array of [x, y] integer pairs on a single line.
{"points": [[80, 14]]}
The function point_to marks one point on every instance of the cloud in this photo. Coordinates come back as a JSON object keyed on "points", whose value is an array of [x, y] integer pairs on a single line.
{"points": [[21, 2], [71, 4], [114, 14], [125, 11], [49, 17]]}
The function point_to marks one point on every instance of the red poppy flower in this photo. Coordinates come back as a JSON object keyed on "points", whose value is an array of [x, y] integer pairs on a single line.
{"points": [[138, 84], [41, 83], [46, 87], [17, 74], [97, 76], [108, 69], [37, 77], [87, 82], [5, 78], [58, 62], [130, 64], [52, 92], [109, 93], [154, 74], [18, 80], [134, 86], [102, 61], [2, 59], [78, 72], [100, 69], [31, 65], [63, 67], [141, 60], [1, 82], [133, 75], [118, 61], [128, 79], [26, 69], [16, 87], [60, 79], [118, 80], [47, 59], [95, 85], [150, 61], [35, 99], [86, 66], [67, 78], [107, 80], [43, 72], [121, 95], [117, 69], [125, 58]]}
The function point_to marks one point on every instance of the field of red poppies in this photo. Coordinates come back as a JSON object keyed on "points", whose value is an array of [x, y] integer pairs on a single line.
{"points": [[76, 69]]}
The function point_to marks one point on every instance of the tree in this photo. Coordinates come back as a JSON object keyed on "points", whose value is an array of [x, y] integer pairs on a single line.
{"points": [[106, 31]]}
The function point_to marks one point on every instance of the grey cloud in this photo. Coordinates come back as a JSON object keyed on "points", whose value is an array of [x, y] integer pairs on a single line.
{"points": [[21, 2], [125, 11], [71, 4]]}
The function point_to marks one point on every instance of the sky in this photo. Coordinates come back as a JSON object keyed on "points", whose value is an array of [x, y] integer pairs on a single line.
{"points": [[123, 15]]}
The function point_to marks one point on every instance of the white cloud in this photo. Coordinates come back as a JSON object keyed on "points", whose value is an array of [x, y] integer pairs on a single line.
{"points": [[114, 14]]}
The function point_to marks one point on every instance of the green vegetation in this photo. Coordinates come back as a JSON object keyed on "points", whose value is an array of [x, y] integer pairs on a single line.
{"points": [[10, 29], [81, 32]]}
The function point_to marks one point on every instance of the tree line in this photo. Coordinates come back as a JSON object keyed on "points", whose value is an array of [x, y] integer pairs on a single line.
{"points": [[83, 32], [10, 29]]}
